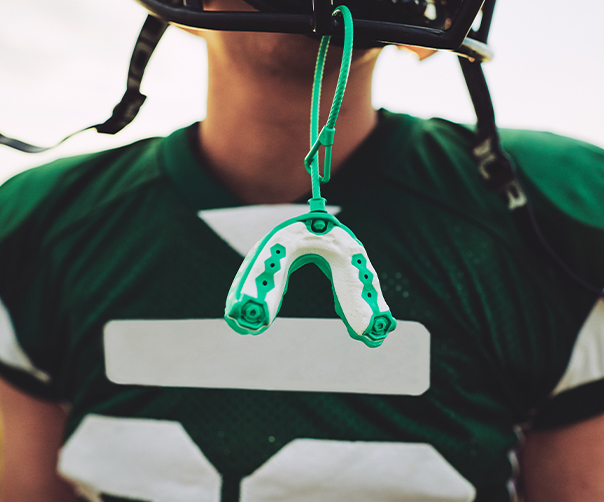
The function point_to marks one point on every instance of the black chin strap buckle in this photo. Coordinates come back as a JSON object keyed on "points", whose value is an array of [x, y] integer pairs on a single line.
{"points": [[322, 17], [498, 172], [494, 166]]}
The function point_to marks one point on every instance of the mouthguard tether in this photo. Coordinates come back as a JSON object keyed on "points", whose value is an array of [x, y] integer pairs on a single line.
{"points": [[317, 237]]}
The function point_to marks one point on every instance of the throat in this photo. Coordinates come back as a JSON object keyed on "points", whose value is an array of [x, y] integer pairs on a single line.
{"points": [[263, 163], [256, 134]]}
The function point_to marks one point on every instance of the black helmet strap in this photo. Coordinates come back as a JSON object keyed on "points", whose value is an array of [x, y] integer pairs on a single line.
{"points": [[499, 175], [128, 107], [494, 165]]}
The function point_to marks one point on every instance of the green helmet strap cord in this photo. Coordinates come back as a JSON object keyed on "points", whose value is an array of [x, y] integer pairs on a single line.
{"points": [[255, 297]]}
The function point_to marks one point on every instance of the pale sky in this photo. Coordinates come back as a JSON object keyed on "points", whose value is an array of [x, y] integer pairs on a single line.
{"points": [[63, 65]]}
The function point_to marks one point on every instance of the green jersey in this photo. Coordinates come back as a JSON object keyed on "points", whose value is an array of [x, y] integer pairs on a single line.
{"points": [[114, 271]]}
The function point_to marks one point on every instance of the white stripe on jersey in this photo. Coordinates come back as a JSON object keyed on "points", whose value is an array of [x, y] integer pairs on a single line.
{"points": [[11, 352], [157, 460], [587, 360], [314, 355], [310, 470], [137, 458], [243, 227]]}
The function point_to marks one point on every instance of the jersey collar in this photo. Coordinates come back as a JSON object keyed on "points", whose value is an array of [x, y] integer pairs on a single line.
{"points": [[186, 167]]}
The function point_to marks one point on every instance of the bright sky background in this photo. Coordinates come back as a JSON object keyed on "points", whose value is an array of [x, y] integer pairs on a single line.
{"points": [[63, 65]]}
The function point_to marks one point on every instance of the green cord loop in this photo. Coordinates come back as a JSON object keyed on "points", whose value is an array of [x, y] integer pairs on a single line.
{"points": [[326, 137]]}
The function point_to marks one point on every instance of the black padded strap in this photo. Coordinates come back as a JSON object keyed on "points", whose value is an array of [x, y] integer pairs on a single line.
{"points": [[132, 100], [499, 173], [22, 146], [494, 165]]}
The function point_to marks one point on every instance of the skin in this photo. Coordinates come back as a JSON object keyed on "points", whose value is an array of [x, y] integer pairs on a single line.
{"points": [[255, 138], [32, 433], [255, 135], [256, 132], [564, 464]]}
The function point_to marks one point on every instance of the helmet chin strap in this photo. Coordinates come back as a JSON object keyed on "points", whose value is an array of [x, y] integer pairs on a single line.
{"points": [[289, 6], [128, 107], [499, 174]]}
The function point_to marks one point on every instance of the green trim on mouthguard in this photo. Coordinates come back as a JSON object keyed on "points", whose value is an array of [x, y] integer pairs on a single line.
{"points": [[248, 315]]}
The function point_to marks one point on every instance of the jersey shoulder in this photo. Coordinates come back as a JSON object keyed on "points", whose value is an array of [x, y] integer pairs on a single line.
{"points": [[563, 178], [559, 168], [566, 171], [68, 189], [39, 209]]}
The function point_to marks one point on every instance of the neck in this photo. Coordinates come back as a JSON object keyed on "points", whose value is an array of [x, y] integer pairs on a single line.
{"points": [[256, 133]]}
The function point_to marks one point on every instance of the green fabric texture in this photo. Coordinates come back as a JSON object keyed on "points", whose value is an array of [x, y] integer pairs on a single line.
{"points": [[116, 235]]}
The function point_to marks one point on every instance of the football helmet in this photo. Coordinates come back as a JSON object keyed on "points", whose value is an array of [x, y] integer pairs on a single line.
{"points": [[437, 24]]}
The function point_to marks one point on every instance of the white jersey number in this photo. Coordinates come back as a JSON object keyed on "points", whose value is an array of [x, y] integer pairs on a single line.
{"points": [[156, 460]]}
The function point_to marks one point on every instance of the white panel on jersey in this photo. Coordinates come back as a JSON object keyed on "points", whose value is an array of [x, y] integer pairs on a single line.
{"points": [[587, 360], [153, 460], [294, 354], [308, 470], [11, 352], [242, 227]]}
